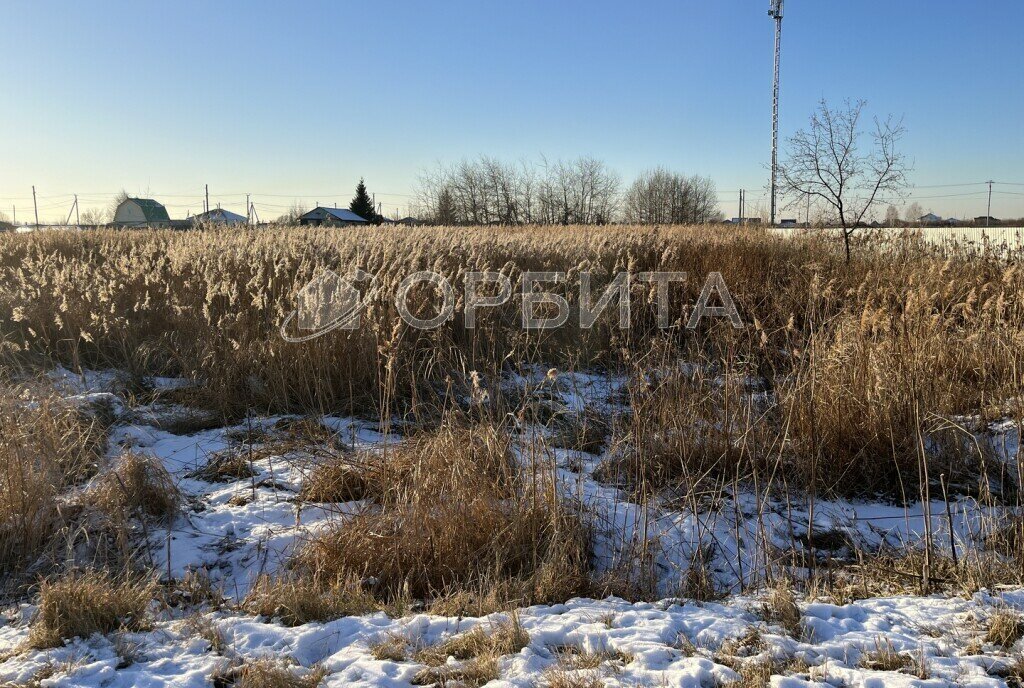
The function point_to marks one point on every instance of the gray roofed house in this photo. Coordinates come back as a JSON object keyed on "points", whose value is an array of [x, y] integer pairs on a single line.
{"points": [[218, 216], [141, 212], [331, 217]]}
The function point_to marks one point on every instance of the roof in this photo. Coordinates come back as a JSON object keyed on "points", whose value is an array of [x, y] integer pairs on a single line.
{"points": [[220, 215], [341, 214], [151, 210]]}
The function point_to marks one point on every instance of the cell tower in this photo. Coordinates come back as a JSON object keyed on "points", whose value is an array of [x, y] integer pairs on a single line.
{"points": [[775, 12]]}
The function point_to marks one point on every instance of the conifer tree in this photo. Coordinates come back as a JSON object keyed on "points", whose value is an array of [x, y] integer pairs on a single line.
{"points": [[362, 204]]}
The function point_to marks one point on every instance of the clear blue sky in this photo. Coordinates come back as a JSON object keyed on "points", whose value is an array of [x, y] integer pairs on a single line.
{"points": [[303, 98]]}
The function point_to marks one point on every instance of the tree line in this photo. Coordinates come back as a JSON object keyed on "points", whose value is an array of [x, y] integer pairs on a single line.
{"points": [[580, 191]]}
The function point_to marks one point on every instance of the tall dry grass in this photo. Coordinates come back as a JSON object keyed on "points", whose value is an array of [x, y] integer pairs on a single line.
{"points": [[45, 448], [867, 378], [862, 362], [451, 512]]}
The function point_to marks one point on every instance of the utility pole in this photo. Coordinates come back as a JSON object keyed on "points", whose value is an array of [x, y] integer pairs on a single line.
{"points": [[78, 221], [74, 207], [206, 205], [248, 215], [775, 12], [35, 205], [988, 213]]}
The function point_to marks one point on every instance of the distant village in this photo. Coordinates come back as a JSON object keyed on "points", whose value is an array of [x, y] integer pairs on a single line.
{"points": [[147, 212], [137, 212]]}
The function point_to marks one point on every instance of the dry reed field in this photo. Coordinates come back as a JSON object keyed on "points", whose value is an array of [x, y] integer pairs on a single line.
{"points": [[461, 506]]}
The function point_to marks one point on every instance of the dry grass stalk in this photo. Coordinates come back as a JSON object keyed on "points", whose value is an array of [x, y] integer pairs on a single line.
{"points": [[393, 647], [884, 657], [45, 447], [469, 674], [269, 673], [296, 600], [206, 629], [1005, 628], [80, 604], [575, 658], [781, 608], [225, 467], [454, 515], [137, 485], [504, 637], [340, 480], [563, 678]]}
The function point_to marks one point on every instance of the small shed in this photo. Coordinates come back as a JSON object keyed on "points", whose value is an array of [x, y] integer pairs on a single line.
{"points": [[219, 216], [331, 217], [141, 212], [930, 219]]}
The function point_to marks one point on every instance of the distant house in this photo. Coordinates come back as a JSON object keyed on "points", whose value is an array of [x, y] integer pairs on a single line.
{"points": [[219, 216], [929, 219], [141, 212], [331, 217], [985, 219], [787, 223]]}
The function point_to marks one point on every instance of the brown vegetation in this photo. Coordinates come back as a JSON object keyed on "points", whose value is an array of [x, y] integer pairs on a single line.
{"points": [[45, 447], [82, 603], [453, 513], [860, 363], [867, 378]]}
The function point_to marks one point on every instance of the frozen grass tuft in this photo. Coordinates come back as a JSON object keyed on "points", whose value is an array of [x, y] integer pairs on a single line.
{"points": [[80, 604], [138, 485], [504, 637], [457, 517], [296, 600], [781, 608], [269, 673], [1005, 628]]}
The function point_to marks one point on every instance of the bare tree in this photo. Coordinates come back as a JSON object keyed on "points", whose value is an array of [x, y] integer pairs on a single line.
{"points": [[96, 217], [662, 197], [827, 162], [115, 204], [292, 216], [914, 212], [892, 216], [488, 191]]}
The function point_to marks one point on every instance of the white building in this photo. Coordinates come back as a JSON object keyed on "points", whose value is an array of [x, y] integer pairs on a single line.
{"points": [[141, 212]]}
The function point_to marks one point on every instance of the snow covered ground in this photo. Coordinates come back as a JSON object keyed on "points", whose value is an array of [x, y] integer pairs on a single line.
{"points": [[663, 644], [235, 530]]}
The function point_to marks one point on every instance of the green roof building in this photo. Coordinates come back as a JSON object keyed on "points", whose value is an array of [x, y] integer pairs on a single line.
{"points": [[141, 212]]}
